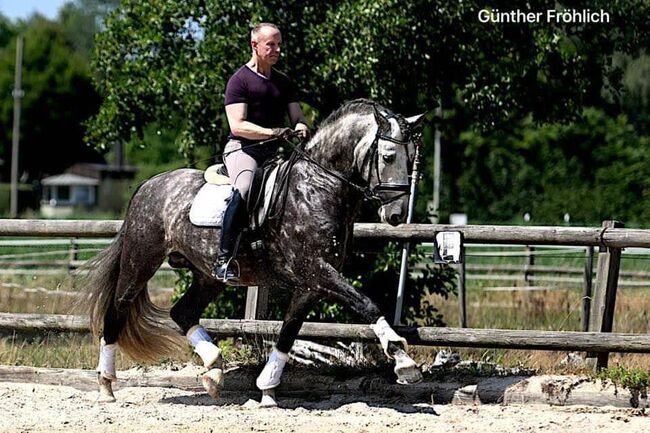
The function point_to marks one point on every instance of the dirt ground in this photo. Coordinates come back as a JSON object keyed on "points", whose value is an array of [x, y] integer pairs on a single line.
{"points": [[47, 408]]}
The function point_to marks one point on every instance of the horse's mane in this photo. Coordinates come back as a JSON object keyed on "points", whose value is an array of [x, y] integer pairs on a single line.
{"points": [[359, 106]]}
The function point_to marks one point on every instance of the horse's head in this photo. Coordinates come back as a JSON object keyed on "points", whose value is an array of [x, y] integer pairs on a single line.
{"points": [[387, 162]]}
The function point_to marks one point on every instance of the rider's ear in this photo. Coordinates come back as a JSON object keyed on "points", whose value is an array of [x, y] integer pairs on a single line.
{"points": [[384, 124], [416, 121]]}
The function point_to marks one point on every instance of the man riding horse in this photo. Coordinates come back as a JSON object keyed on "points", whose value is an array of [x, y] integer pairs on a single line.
{"points": [[362, 150], [258, 97]]}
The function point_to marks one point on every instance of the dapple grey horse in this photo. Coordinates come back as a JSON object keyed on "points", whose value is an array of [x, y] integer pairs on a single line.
{"points": [[360, 150]]}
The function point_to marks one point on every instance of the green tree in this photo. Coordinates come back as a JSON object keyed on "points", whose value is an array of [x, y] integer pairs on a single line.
{"points": [[635, 94], [7, 31], [595, 169], [58, 97], [168, 61], [82, 19]]}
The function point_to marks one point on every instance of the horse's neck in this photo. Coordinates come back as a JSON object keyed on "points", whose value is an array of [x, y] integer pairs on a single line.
{"points": [[340, 162], [335, 198], [331, 176], [335, 147]]}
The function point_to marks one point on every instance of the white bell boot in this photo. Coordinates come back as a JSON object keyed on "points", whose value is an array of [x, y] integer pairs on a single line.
{"points": [[386, 335], [106, 364], [210, 354], [270, 376]]}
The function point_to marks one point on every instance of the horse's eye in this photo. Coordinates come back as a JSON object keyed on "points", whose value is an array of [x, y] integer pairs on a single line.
{"points": [[389, 157]]}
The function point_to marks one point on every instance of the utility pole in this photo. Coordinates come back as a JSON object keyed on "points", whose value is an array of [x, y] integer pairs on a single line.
{"points": [[18, 94], [436, 170]]}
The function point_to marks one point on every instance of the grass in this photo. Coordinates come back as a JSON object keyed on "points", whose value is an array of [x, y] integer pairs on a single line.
{"points": [[629, 378]]}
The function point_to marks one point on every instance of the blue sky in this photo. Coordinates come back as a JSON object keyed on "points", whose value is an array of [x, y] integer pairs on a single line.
{"points": [[14, 9]]}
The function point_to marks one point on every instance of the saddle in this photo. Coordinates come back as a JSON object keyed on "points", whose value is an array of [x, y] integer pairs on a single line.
{"points": [[212, 199]]}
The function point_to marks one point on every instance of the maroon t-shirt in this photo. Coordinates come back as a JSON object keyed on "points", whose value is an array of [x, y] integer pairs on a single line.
{"points": [[267, 100]]}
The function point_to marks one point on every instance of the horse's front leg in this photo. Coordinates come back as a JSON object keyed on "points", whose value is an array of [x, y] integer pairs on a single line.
{"points": [[271, 375], [332, 284]]}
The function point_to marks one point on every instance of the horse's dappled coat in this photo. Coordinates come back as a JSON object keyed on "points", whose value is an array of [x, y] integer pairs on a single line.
{"points": [[306, 245]]}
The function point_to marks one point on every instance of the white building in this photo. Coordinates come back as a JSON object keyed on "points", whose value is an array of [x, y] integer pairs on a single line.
{"points": [[65, 192]]}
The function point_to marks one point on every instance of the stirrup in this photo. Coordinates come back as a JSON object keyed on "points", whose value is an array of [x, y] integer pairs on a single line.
{"points": [[228, 274]]}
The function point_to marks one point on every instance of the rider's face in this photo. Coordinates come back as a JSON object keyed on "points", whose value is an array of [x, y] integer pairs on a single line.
{"points": [[267, 46]]}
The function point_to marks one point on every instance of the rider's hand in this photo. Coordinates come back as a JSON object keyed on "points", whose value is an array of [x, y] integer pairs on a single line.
{"points": [[302, 133], [286, 133]]}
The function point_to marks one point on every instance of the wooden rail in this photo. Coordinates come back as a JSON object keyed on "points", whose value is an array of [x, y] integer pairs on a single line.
{"points": [[520, 235], [489, 338]]}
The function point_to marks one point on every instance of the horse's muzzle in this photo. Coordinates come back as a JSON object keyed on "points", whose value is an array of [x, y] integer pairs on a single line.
{"points": [[395, 219]]}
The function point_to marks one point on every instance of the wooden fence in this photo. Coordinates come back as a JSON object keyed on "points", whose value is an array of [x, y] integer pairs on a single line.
{"points": [[425, 336], [598, 313]]}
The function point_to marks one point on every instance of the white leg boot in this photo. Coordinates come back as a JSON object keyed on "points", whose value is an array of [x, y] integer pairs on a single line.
{"points": [[406, 369], [106, 371], [106, 365], [386, 335], [270, 376], [210, 354]]}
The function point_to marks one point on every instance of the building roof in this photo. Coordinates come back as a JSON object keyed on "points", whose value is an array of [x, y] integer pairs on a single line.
{"points": [[101, 171], [69, 180]]}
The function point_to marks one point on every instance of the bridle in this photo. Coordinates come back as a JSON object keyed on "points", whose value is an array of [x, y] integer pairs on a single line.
{"points": [[371, 159]]}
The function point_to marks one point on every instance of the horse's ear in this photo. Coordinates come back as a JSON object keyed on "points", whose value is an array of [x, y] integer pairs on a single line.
{"points": [[415, 121], [382, 122]]}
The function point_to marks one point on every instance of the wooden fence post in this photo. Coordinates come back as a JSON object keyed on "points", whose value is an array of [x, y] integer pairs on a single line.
{"points": [[74, 256], [587, 288], [604, 299], [462, 290], [530, 262], [74, 253], [257, 299]]}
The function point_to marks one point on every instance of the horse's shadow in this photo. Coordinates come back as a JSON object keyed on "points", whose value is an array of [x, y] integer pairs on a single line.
{"points": [[308, 402]]}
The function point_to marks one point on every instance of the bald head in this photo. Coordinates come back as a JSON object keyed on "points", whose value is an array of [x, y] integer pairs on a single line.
{"points": [[264, 29]]}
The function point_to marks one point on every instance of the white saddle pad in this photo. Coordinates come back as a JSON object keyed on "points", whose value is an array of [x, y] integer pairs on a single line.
{"points": [[209, 205], [212, 199]]}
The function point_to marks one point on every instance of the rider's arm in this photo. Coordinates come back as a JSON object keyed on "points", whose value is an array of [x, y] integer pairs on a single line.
{"points": [[241, 127], [298, 120]]}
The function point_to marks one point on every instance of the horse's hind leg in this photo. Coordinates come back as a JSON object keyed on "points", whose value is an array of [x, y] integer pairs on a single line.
{"points": [[137, 265], [186, 313], [269, 378], [106, 374]]}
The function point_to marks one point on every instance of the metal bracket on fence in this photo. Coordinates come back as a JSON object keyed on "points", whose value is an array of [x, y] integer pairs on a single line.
{"points": [[602, 248]]}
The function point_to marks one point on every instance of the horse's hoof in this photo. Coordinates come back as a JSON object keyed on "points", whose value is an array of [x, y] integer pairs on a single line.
{"points": [[407, 371], [213, 382], [268, 399], [105, 390]]}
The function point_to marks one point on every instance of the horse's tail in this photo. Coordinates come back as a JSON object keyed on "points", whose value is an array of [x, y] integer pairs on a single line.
{"points": [[145, 336], [100, 284]]}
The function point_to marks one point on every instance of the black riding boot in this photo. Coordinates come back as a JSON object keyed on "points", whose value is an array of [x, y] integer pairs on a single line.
{"points": [[235, 218]]}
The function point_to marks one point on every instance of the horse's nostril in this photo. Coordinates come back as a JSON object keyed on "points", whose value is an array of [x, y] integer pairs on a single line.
{"points": [[395, 219]]}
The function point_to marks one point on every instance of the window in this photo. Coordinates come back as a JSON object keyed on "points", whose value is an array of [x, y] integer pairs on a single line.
{"points": [[83, 195], [63, 193]]}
